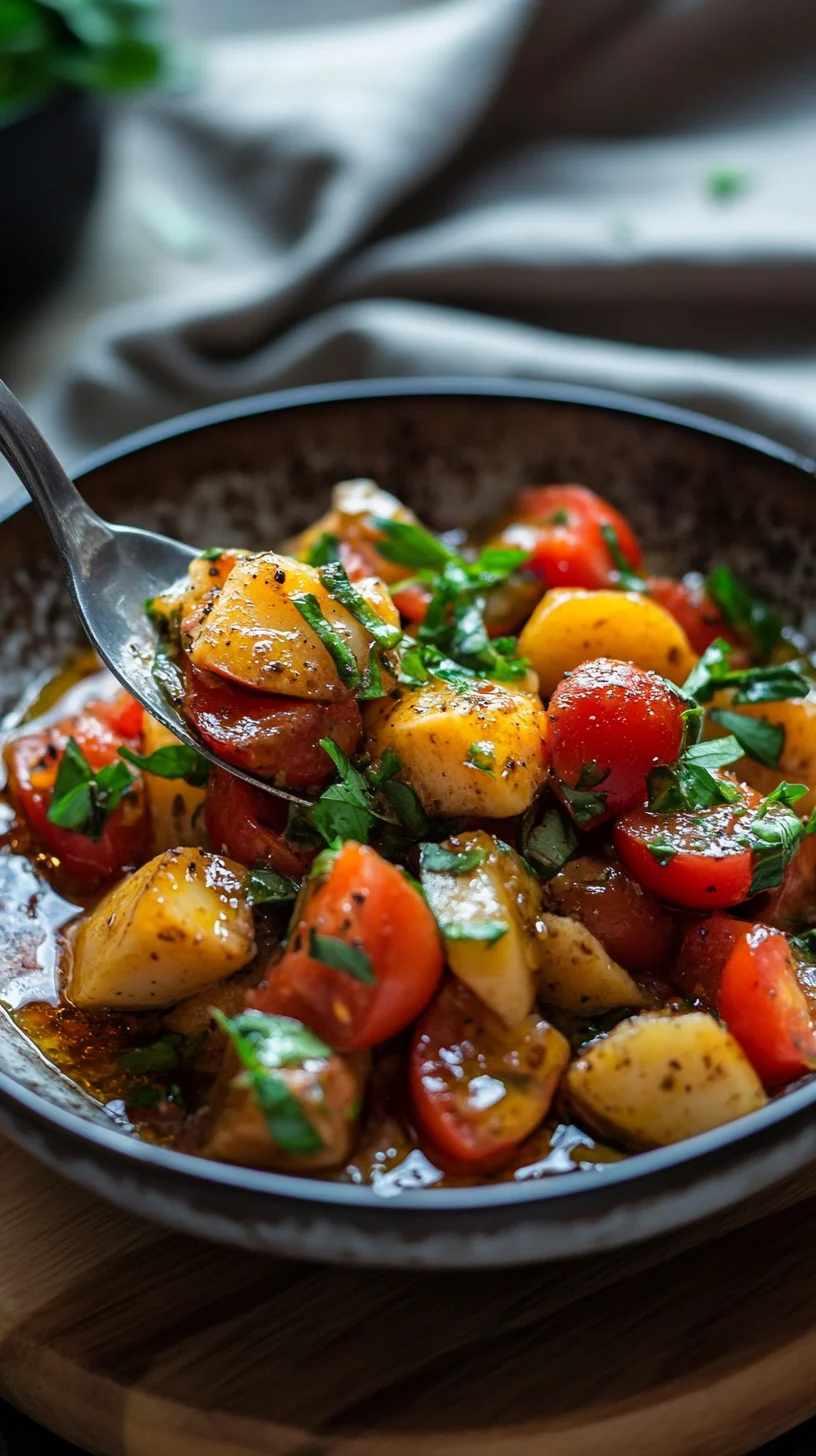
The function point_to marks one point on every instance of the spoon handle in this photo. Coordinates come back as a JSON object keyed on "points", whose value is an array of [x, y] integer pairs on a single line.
{"points": [[73, 527]]}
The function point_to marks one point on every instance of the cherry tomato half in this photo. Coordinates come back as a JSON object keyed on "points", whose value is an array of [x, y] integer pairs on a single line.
{"points": [[34, 762], [563, 527], [705, 949], [271, 735], [123, 715], [247, 825], [691, 606], [765, 1009], [691, 858], [364, 957], [477, 1088], [609, 724], [637, 931]]}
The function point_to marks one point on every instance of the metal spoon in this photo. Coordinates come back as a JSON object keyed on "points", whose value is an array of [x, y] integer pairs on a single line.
{"points": [[111, 571]]}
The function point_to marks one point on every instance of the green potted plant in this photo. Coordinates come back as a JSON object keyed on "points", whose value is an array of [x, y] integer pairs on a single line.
{"points": [[58, 59]]}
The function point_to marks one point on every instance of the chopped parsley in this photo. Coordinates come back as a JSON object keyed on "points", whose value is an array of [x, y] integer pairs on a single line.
{"points": [[435, 859], [582, 799], [166, 1054], [689, 783], [549, 844], [773, 833], [268, 887], [335, 579], [481, 756], [264, 1046], [486, 931], [773, 683], [661, 849]]}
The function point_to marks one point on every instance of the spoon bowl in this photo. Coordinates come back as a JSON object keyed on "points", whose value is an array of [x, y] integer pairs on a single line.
{"points": [[111, 572]]}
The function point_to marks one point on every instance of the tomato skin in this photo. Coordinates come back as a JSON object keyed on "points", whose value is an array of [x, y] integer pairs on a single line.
{"points": [[271, 735], [713, 877], [703, 954], [636, 930], [619, 719], [459, 1040], [34, 761], [412, 601], [691, 606], [123, 715], [562, 526], [765, 1009], [369, 904], [247, 825]]}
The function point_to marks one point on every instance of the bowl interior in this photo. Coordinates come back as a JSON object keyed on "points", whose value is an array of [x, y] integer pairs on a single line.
{"points": [[694, 497]]}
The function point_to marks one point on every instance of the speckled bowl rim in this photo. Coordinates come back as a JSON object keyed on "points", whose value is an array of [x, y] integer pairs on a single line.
{"points": [[757, 1127]]}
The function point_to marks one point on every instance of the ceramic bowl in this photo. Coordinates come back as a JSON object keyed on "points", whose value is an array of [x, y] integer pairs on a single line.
{"points": [[253, 472]]}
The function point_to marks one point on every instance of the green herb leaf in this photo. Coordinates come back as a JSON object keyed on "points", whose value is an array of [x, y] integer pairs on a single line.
{"points": [[265, 1045], [715, 753], [435, 859], [341, 956], [549, 845], [407, 544], [760, 740], [482, 756], [339, 651], [584, 803], [84, 798], [661, 849], [773, 833], [486, 931], [774, 683], [628, 580], [753, 621], [268, 887], [724, 183], [335, 579], [324, 550], [344, 810], [682, 786], [174, 761], [166, 1054], [213, 553], [805, 944]]}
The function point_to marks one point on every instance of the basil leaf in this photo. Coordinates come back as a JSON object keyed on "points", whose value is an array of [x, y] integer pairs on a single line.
{"points": [[84, 798], [776, 682], [709, 669], [681, 786], [756, 623], [372, 686], [760, 740], [341, 956], [435, 859], [174, 761], [486, 931], [715, 753], [482, 756], [773, 833], [211, 554], [335, 579], [628, 580], [339, 651], [166, 1054], [344, 810], [549, 845], [405, 803], [584, 805], [265, 1045], [661, 849], [268, 887], [407, 544], [323, 551]]}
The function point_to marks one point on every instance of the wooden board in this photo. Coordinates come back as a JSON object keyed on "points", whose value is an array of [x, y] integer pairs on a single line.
{"points": [[132, 1341]]}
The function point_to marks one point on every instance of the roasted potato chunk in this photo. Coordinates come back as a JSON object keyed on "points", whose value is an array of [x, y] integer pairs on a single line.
{"points": [[570, 626], [476, 752], [658, 1079], [178, 923], [487, 916], [176, 808], [576, 974], [254, 633]]}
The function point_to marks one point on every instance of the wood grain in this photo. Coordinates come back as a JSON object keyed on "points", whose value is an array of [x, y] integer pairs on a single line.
{"points": [[135, 1342]]}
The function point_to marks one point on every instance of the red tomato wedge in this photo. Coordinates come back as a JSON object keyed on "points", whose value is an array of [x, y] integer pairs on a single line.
{"points": [[33, 766], [123, 715], [703, 954], [477, 1088], [765, 1009], [246, 824], [364, 957], [412, 600], [563, 526], [271, 735], [691, 606], [609, 724], [637, 931], [692, 858]]}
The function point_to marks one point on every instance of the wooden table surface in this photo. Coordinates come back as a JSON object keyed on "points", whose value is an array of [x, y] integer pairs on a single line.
{"points": [[128, 1339]]}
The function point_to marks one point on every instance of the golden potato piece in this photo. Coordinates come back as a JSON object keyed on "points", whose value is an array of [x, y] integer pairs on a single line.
{"points": [[576, 973], [255, 634], [658, 1079], [176, 816], [475, 752], [178, 923], [498, 898], [354, 503], [570, 626]]}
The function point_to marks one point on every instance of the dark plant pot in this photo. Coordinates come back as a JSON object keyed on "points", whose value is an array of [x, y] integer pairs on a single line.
{"points": [[49, 168]]}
